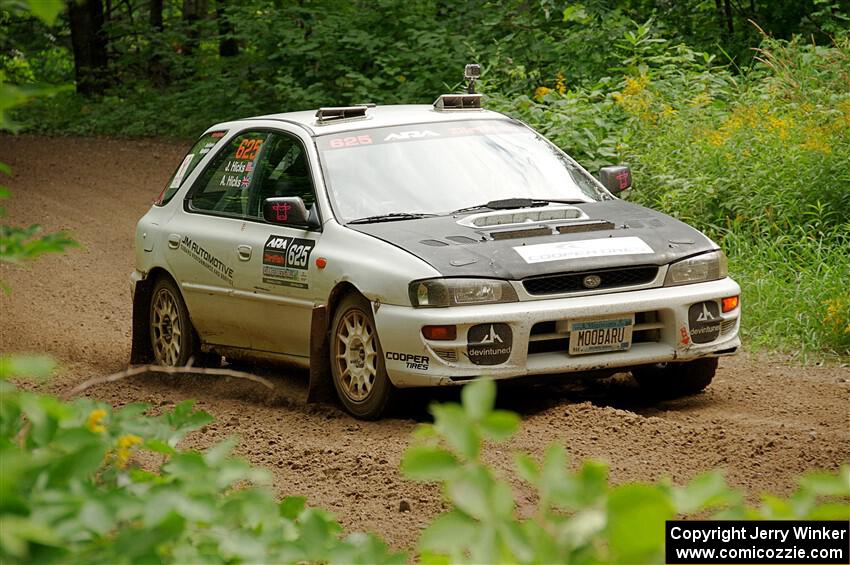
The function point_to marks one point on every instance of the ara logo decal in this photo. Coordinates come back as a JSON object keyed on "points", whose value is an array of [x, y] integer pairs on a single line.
{"points": [[285, 261], [489, 344], [410, 134], [704, 321]]}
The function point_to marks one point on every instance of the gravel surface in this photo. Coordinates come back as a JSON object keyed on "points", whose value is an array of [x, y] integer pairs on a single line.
{"points": [[762, 421]]}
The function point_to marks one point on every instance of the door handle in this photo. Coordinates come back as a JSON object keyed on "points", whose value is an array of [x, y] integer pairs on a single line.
{"points": [[174, 240], [244, 252]]}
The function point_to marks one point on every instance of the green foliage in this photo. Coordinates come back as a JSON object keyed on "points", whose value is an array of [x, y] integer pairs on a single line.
{"points": [[579, 517], [26, 244], [756, 160], [82, 482]]}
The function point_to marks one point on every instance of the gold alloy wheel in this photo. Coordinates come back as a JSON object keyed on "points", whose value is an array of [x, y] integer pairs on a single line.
{"points": [[167, 332], [356, 355]]}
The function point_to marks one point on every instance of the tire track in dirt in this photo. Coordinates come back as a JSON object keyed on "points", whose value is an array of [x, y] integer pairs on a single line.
{"points": [[762, 421]]}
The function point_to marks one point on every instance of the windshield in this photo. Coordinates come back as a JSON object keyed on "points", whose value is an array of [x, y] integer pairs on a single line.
{"points": [[438, 168]]}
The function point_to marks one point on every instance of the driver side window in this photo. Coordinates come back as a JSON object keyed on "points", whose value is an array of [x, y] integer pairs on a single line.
{"points": [[283, 171], [254, 166], [225, 186]]}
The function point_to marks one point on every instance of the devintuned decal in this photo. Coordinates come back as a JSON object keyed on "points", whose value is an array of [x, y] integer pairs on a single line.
{"points": [[285, 261], [418, 362], [489, 344], [704, 321], [601, 247], [212, 263]]}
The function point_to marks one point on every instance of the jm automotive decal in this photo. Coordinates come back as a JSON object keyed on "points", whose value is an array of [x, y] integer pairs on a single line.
{"points": [[212, 263], [489, 344], [285, 261]]}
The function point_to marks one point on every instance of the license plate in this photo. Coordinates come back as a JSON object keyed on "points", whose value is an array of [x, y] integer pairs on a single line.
{"points": [[601, 334]]}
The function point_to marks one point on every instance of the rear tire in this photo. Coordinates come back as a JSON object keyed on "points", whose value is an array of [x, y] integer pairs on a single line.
{"points": [[173, 339], [357, 360], [674, 380]]}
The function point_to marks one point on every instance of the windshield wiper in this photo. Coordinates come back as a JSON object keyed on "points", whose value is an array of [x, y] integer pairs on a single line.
{"points": [[511, 203], [391, 217]]}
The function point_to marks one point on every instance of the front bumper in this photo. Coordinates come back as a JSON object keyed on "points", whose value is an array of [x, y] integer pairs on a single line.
{"points": [[540, 338]]}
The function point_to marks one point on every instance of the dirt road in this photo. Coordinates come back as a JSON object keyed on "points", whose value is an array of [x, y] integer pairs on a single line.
{"points": [[761, 421]]}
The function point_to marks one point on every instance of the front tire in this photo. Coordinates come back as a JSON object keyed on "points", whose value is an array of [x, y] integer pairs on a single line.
{"points": [[675, 380], [357, 360], [172, 336]]}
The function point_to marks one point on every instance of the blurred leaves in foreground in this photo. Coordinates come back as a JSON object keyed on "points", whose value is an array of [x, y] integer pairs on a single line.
{"points": [[83, 482]]}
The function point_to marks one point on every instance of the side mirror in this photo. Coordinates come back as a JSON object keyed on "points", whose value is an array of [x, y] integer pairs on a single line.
{"points": [[288, 211], [616, 179]]}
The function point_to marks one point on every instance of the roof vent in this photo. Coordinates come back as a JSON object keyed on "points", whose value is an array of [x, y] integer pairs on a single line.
{"points": [[458, 102], [341, 113]]}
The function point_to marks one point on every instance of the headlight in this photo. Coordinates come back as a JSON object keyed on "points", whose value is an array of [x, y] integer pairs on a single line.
{"points": [[459, 292], [706, 267]]}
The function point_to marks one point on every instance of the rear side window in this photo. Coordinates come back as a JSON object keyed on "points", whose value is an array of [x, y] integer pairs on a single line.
{"points": [[190, 161]]}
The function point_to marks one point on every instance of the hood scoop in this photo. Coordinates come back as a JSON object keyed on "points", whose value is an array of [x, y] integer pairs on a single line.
{"points": [[504, 218], [593, 225], [521, 233]]}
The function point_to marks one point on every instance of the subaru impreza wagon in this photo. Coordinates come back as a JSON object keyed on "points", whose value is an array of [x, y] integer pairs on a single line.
{"points": [[385, 247]]}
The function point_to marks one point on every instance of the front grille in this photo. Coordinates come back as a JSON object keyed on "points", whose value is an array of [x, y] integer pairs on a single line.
{"points": [[449, 355], [573, 282]]}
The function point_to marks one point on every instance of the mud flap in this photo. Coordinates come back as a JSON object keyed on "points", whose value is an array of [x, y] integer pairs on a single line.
{"points": [[141, 352], [320, 387]]}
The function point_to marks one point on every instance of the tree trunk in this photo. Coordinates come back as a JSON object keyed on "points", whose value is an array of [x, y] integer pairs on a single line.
{"points": [[727, 10], [89, 43], [156, 15], [157, 71], [227, 44], [193, 12]]}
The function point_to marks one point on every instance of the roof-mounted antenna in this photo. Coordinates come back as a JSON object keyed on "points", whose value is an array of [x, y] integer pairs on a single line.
{"points": [[471, 72]]}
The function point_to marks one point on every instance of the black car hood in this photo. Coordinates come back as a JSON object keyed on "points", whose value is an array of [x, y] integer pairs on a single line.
{"points": [[457, 250]]}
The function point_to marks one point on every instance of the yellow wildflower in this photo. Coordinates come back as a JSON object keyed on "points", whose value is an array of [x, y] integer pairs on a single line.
{"points": [[667, 111], [717, 137], [560, 83], [635, 86], [540, 92], [93, 421], [778, 126], [636, 99], [700, 100], [817, 139], [838, 313], [845, 107], [125, 449]]}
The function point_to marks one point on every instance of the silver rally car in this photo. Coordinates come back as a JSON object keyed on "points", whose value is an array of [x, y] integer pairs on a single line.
{"points": [[409, 246]]}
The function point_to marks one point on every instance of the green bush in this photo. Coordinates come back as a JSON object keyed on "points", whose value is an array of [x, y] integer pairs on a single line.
{"points": [[72, 490], [579, 517], [83, 482]]}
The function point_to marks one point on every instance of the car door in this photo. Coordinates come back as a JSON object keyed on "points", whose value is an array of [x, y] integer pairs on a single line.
{"points": [[279, 276], [204, 240]]}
